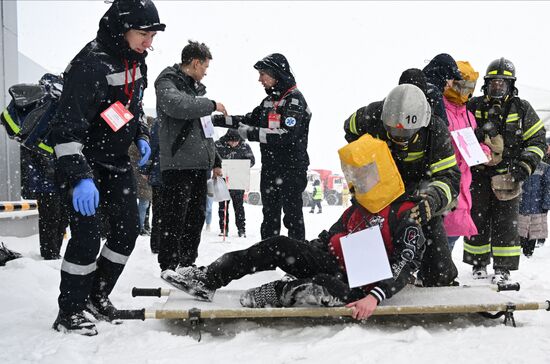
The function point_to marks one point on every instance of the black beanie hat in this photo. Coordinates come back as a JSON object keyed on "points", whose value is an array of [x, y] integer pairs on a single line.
{"points": [[416, 77], [232, 135], [140, 15]]}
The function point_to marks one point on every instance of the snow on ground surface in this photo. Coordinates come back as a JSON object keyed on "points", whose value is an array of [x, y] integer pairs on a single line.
{"points": [[28, 307]]}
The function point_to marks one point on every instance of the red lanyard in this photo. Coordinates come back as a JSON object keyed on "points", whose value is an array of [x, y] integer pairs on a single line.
{"points": [[276, 105], [129, 94]]}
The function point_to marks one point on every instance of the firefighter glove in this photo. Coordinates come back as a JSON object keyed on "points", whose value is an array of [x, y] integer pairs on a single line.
{"points": [[423, 211], [520, 171]]}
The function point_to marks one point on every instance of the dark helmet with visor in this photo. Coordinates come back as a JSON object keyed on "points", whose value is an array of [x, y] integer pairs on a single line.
{"points": [[500, 78]]}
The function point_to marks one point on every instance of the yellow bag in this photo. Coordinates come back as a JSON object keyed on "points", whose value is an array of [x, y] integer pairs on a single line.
{"points": [[369, 167]]}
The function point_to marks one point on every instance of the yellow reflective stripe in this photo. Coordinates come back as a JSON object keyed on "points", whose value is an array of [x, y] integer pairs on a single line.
{"points": [[352, 126], [10, 121], [507, 73], [47, 148], [445, 188], [512, 117], [509, 251], [477, 250], [502, 170], [443, 164], [535, 150], [413, 156], [492, 72], [532, 130], [478, 114]]}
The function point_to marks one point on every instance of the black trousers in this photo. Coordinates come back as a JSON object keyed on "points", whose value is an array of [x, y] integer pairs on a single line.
{"points": [[52, 222], [296, 257], [496, 223], [282, 189], [316, 203], [83, 273], [437, 267], [237, 197], [183, 195], [156, 210]]}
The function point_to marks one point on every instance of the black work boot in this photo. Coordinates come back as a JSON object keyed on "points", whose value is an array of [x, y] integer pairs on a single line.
{"points": [[76, 323], [102, 309]]}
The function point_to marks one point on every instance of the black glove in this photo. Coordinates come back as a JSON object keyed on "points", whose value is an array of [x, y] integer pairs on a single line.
{"points": [[520, 171]]}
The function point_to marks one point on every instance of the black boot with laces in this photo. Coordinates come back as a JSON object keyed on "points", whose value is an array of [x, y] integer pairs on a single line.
{"points": [[76, 323], [102, 309]]}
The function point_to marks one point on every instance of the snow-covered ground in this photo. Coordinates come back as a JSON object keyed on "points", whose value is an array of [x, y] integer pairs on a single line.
{"points": [[29, 289]]}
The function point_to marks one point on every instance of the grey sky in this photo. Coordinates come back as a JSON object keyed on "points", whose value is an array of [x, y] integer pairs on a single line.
{"points": [[344, 54]]}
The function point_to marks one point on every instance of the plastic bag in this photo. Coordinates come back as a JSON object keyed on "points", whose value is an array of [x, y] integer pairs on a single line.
{"points": [[221, 193]]}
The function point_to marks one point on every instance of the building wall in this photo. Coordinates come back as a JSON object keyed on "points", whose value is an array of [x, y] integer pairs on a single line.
{"points": [[10, 181]]}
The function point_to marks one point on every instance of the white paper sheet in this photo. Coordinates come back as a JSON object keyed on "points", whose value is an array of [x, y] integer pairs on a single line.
{"points": [[237, 173], [468, 146], [365, 257], [207, 126]]}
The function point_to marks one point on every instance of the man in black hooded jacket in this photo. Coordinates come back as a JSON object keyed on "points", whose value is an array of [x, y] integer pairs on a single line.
{"points": [[281, 125], [91, 140], [232, 146]]}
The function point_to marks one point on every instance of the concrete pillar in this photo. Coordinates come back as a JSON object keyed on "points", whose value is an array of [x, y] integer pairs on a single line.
{"points": [[10, 175]]}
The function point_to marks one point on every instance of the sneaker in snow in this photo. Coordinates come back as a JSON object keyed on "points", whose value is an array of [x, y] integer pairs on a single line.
{"points": [[262, 296], [501, 276], [76, 323], [102, 309], [479, 272], [303, 291], [191, 280]]}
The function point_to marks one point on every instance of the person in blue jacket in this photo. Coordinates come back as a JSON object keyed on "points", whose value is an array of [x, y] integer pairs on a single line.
{"points": [[533, 210]]}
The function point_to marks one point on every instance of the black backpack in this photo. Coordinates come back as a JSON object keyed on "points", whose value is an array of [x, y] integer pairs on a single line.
{"points": [[28, 116]]}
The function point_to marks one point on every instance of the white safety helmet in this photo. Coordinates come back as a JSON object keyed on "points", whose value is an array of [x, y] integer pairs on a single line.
{"points": [[405, 111]]}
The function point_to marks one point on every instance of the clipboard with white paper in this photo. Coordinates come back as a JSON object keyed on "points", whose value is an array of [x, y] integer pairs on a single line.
{"points": [[365, 257], [468, 146]]}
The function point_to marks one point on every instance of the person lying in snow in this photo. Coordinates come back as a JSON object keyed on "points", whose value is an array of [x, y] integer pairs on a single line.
{"points": [[317, 266]]}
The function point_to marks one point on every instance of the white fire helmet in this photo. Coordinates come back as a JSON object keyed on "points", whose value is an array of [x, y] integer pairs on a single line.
{"points": [[405, 111]]}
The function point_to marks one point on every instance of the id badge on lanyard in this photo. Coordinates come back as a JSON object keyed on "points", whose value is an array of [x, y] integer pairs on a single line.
{"points": [[274, 118], [116, 116]]}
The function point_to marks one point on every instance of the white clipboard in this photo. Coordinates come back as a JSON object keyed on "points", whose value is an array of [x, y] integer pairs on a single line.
{"points": [[365, 257]]}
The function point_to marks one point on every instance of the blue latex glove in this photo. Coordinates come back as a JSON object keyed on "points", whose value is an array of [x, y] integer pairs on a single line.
{"points": [[85, 197], [144, 150]]}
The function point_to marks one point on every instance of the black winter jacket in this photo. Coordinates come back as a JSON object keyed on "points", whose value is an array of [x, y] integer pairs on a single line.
{"points": [[284, 147], [428, 163], [521, 128], [94, 80], [241, 151]]}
